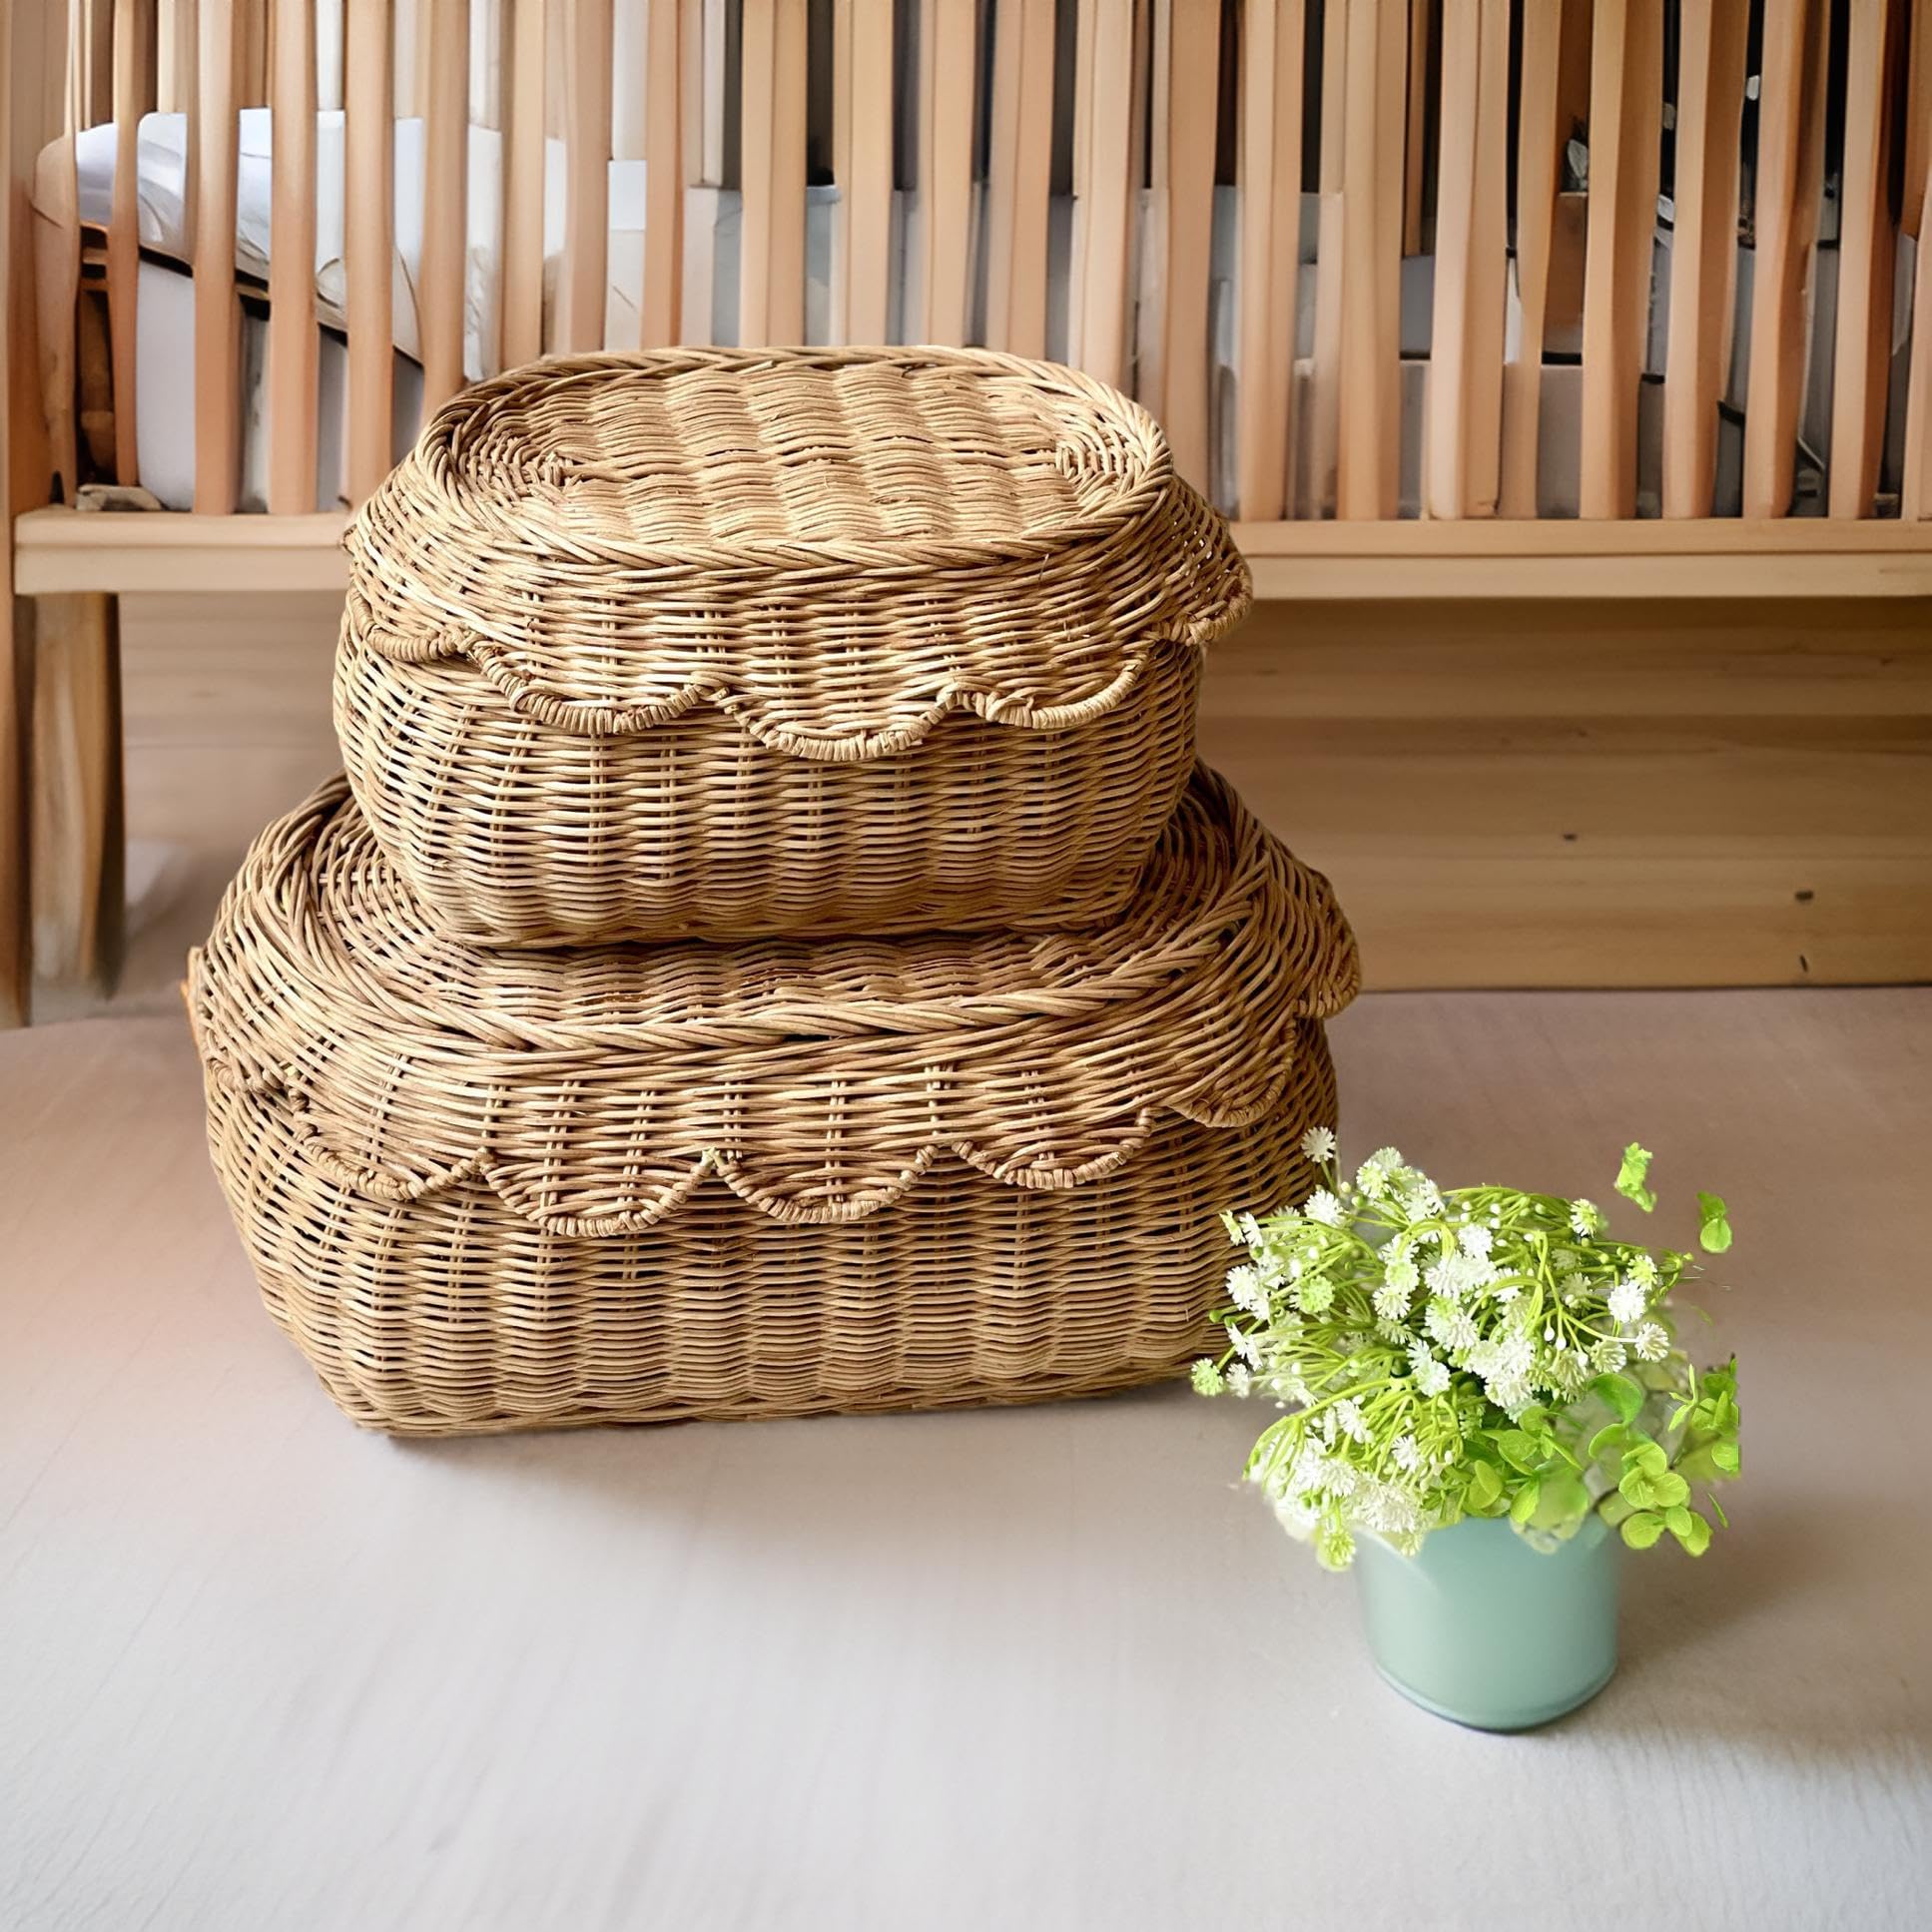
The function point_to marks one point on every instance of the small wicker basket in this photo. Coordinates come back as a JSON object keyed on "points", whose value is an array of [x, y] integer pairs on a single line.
{"points": [[494, 1191], [719, 643]]}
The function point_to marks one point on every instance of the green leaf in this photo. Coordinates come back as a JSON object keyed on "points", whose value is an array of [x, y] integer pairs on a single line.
{"points": [[1670, 1489], [1525, 1505], [1637, 1489], [1726, 1456], [1620, 1393], [1561, 1499], [1518, 1449], [1642, 1529], [1677, 1521], [1717, 1510], [1631, 1177], [1714, 1235], [1648, 1455], [1694, 1536], [1485, 1486], [1609, 1436], [1613, 1509]]}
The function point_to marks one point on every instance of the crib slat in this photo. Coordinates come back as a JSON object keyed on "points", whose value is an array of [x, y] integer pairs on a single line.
{"points": [[1790, 135], [1188, 40], [56, 225], [583, 270], [217, 315], [1019, 177], [522, 294], [1270, 188], [178, 34], [1625, 103], [1324, 387], [1462, 475], [863, 164], [1539, 139], [1103, 64], [1862, 369], [444, 52], [123, 230], [659, 310], [1918, 120], [292, 343], [368, 243], [947, 65], [1710, 99], [771, 271], [1368, 460], [1915, 482]]}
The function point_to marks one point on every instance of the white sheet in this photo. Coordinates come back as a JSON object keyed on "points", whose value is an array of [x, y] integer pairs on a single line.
{"points": [[166, 229]]}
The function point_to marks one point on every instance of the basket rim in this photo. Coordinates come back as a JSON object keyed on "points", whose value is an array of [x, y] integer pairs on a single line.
{"points": [[768, 1062], [437, 465]]}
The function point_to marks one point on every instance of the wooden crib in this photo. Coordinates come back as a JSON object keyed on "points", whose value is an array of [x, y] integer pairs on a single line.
{"points": [[1436, 298]]}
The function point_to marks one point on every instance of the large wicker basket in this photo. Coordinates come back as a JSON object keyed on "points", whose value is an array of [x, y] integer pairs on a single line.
{"points": [[494, 1191], [721, 643]]}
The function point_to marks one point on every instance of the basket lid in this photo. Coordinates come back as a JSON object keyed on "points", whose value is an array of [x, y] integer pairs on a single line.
{"points": [[835, 546], [594, 1089]]}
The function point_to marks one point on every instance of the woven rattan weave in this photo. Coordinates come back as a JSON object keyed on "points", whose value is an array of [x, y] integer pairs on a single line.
{"points": [[724, 643], [489, 1190]]}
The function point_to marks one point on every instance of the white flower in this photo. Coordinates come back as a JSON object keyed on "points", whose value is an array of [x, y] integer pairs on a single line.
{"points": [[1247, 1291], [1372, 1178], [1644, 1270], [1421, 1199], [1626, 1302], [1322, 1206], [1453, 1326], [1585, 1219], [1392, 1301], [1608, 1357], [1313, 1295], [1475, 1241], [1348, 1418], [1394, 1333], [1240, 1379], [1571, 1287], [1248, 1228], [1652, 1343], [1407, 1453], [1245, 1346], [1388, 1159], [1431, 1377], [1206, 1378], [1318, 1143], [1401, 1273]]}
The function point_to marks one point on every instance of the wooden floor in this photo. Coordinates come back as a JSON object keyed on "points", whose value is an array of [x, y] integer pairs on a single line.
{"points": [[1036, 1669]]}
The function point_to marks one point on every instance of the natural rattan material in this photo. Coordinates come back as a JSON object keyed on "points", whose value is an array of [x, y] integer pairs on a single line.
{"points": [[490, 1189], [513, 833], [453, 1314], [612, 606]]}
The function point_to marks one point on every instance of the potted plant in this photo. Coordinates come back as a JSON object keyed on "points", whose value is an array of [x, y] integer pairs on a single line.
{"points": [[1484, 1398]]}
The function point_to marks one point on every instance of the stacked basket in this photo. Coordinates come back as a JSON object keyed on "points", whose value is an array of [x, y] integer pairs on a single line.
{"points": [[773, 951]]}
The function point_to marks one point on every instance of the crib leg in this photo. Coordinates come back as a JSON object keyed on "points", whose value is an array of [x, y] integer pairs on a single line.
{"points": [[78, 857], [16, 744]]}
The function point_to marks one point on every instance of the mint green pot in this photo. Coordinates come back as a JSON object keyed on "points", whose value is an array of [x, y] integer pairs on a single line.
{"points": [[1482, 1627]]}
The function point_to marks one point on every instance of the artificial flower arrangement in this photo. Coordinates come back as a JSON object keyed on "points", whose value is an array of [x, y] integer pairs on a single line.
{"points": [[1472, 1353]]}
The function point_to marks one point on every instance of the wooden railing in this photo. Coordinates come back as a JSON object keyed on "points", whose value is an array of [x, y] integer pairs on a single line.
{"points": [[1368, 259]]}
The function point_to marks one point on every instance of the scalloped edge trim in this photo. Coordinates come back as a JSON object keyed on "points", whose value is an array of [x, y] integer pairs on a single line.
{"points": [[508, 1181], [543, 704]]}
